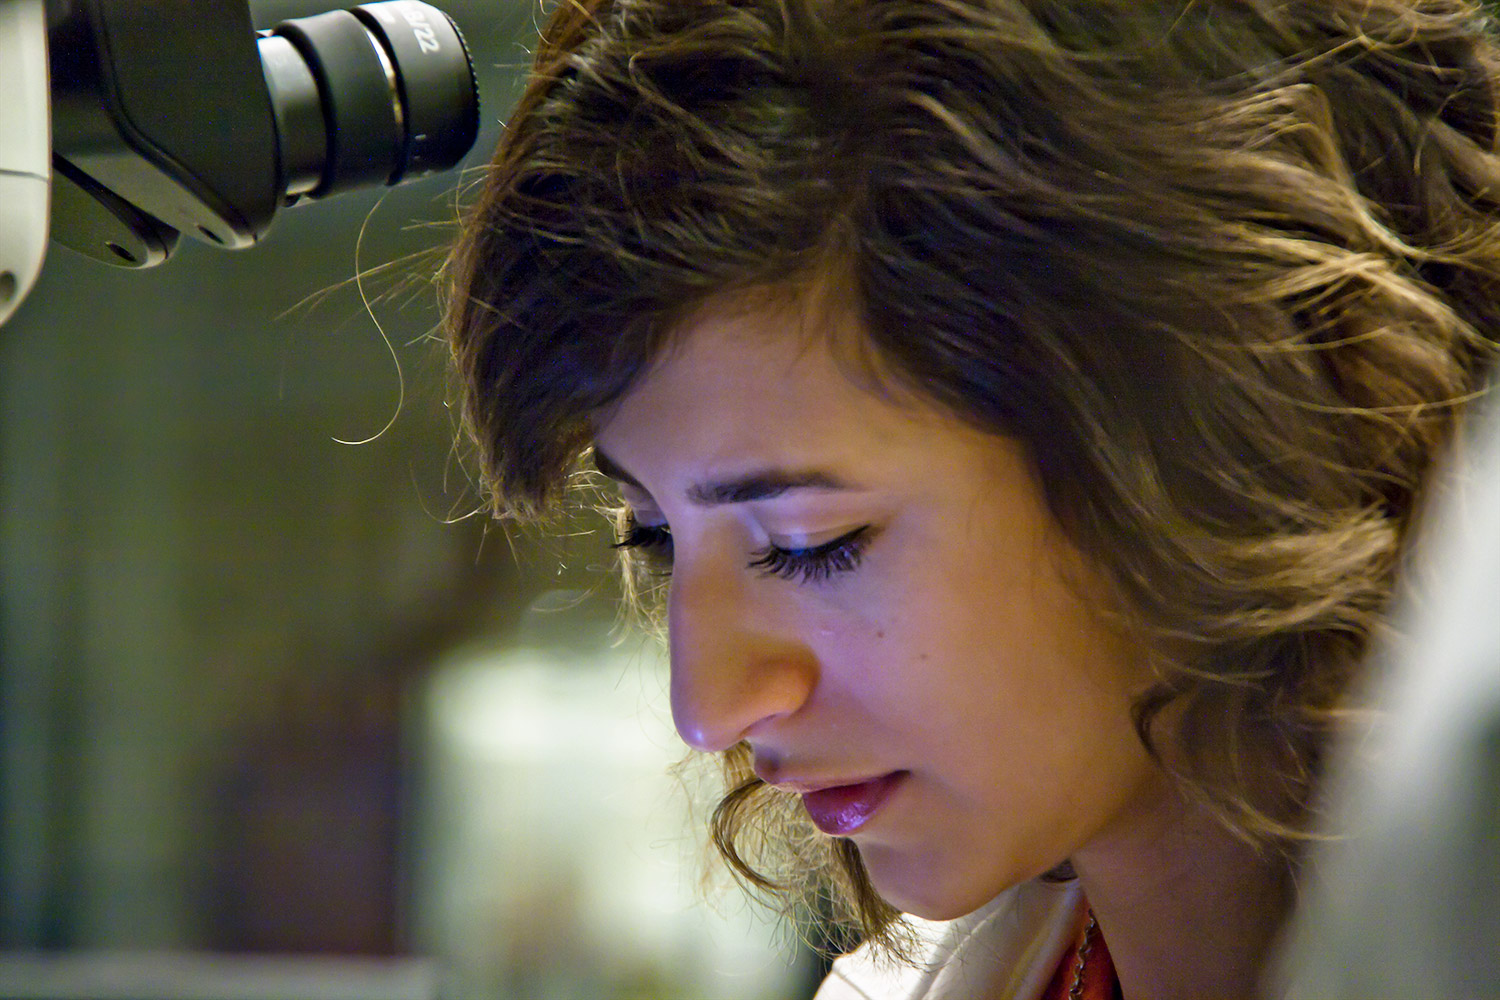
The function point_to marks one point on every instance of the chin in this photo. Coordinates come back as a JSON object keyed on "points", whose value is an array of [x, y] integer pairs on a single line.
{"points": [[926, 887]]}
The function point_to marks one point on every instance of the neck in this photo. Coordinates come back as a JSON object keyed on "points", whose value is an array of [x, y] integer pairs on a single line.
{"points": [[1187, 909]]}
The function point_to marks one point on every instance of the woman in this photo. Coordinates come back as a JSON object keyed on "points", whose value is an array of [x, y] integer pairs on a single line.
{"points": [[1031, 401]]}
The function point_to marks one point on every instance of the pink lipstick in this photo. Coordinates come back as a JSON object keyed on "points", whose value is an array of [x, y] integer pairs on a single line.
{"points": [[842, 809]]}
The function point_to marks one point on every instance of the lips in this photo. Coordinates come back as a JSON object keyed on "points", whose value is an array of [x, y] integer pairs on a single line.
{"points": [[840, 810]]}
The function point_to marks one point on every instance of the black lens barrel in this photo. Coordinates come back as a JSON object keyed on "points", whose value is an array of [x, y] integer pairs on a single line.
{"points": [[395, 91], [435, 77], [178, 117], [297, 108]]}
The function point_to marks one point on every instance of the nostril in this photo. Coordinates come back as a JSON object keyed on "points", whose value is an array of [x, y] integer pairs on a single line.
{"points": [[752, 693], [739, 666], [766, 770]]}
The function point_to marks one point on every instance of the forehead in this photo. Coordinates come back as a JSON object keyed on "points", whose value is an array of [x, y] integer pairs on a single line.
{"points": [[806, 341], [772, 386], [742, 354], [803, 327]]}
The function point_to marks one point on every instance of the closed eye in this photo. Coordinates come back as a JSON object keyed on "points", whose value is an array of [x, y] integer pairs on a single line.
{"points": [[652, 540], [817, 563], [814, 564]]}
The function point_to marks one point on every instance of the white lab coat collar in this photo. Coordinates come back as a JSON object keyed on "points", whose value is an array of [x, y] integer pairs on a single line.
{"points": [[1008, 949]]}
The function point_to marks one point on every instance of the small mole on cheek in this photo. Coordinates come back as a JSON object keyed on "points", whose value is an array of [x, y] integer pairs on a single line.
{"points": [[880, 633]]}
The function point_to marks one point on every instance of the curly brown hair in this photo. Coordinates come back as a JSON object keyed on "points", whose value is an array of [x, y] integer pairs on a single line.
{"points": [[1227, 268]]}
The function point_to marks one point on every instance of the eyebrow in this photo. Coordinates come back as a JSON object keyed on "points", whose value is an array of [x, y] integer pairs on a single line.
{"points": [[759, 484]]}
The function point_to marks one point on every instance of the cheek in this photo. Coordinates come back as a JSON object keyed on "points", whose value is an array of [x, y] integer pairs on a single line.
{"points": [[971, 661], [870, 651], [899, 609], [905, 660]]}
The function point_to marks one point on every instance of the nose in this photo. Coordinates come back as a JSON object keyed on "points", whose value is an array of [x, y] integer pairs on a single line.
{"points": [[737, 662]]}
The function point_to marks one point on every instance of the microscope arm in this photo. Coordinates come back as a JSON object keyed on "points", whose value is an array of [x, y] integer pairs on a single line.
{"points": [[25, 148]]}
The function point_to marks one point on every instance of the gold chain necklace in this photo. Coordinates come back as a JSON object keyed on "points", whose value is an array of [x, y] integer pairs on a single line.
{"points": [[1075, 992]]}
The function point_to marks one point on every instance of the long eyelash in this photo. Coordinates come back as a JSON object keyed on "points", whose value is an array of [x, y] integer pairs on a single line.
{"points": [[653, 541], [645, 536], [813, 565]]}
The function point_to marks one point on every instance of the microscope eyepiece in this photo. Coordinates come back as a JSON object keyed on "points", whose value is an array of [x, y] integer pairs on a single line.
{"points": [[377, 94], [207, 129]]}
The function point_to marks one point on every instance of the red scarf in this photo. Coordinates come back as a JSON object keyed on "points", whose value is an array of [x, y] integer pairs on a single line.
{"points": [[1099, 982]]}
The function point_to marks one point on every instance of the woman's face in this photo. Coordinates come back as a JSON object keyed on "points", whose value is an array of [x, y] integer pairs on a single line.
{"points": [[873, 597]]}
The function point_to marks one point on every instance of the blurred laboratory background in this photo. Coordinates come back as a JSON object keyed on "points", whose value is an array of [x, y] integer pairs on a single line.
{"points": [[277, 717]]}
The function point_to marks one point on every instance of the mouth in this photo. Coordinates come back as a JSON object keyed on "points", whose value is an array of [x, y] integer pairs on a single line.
{"points": [[840, 810]]}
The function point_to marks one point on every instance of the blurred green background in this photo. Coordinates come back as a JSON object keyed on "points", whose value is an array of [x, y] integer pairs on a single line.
{"points": [[262, 692]]}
